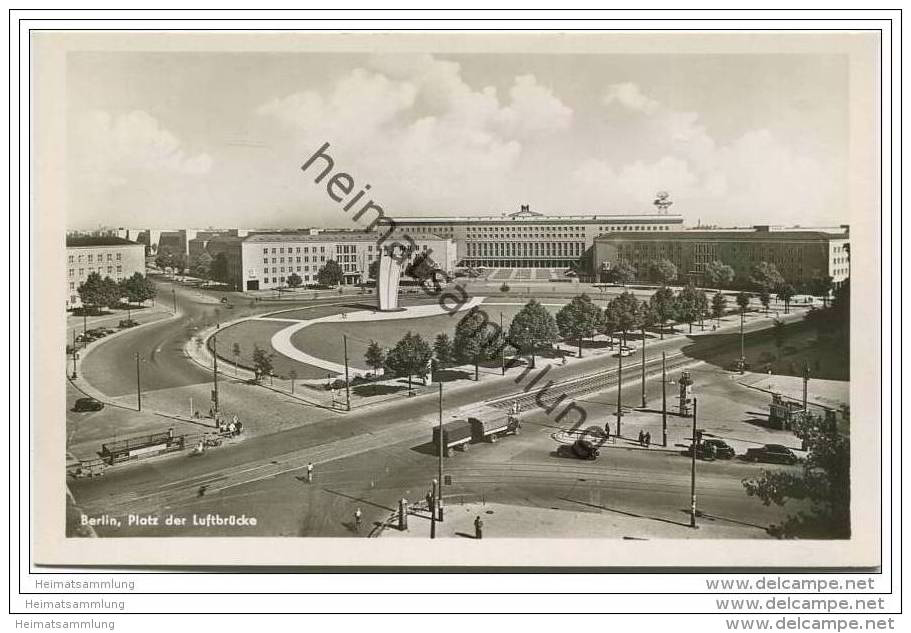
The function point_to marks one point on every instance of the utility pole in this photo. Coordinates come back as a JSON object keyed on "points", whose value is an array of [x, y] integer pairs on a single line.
{"points": [[174, 297], [74, 353], [693, 473], [85, 328], [138, 385], [502, 350], [433, 503], [742, 356], [347, 391], [643, 367], [440, 455], [664, 399], [806, 381], [619, 387], [215, 373]]}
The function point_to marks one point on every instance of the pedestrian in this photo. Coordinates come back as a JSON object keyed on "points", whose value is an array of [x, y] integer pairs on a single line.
{"points": [[641, 437], [234, 419], [171, 433], [211, 412], [309, 472], [606, 432], [238, 428], [648, 438], [231, 429], [478, 527], [357, 519], [429, 499]]}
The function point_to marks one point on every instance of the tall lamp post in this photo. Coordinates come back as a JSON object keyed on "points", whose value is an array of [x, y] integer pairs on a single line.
{"points": [[440, 455], [643, 366], [138, 384], [664, 399], [619, 387], [215, 374], [743, 359], [693, 473]]}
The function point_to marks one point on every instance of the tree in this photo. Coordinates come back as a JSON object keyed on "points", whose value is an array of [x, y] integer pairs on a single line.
{"points": [[219, 270], [823, 484], [330, 274], [93, 292], [532, 327], [624, 313], [166, 258], [621, 273], [764, 298], [137, 288], [719, 305], [410, 356], [662, 271], [821, 287], [294, 280], [743, 300], [688, 304], [578, 319], [702, 306], [262, 363], [662, 304], [374, 356], [201, 266], [235, 350], [504, 288], [443, 350], [717, 274], [475, 338], [785, 293], [422, 267], [765, 276], [778, 333], [373, 270]]}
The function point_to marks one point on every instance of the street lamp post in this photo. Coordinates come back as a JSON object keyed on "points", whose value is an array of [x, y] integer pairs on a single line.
{"points": [[742, 355], [215, 373], [138, 385], [74, 353], [643, 367], [619, 387], [440, 455], [347, 390], [502, 350], [664, 399], [174, 297], [693, 473]]}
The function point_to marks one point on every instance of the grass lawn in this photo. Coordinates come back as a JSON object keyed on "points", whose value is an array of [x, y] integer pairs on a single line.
{"points": [[247, 334], [324, 340]]}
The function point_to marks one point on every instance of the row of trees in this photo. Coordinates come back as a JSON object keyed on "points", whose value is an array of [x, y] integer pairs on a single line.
{"points": [[764, 277], [103, 292], [477, 340]]}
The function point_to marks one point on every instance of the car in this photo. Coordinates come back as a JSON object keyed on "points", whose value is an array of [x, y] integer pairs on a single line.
{"points": [[88, 404], [722, 449], [580, 449], [626, 351], [771, 453]]}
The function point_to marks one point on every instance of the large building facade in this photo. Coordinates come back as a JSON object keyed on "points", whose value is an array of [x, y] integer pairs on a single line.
{"points": [[800, 255], [527, 239], [108, 256], [264, 261]]}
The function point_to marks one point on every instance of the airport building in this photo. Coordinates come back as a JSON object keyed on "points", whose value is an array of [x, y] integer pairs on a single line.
{"points": [[526, 239], [108, 256], [264, 261], [799, 254]]}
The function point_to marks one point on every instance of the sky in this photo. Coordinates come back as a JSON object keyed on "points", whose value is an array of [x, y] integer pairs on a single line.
{"points": [[176, 139]]}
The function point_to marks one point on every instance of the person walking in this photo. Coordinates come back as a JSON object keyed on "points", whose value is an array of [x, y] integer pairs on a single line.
{"points": [[309, 472], [357, 519], [641, 437], [648, 439], [478, 527]]}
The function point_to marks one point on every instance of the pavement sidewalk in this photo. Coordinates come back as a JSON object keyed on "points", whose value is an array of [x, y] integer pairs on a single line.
{"points": [[510, 521]]}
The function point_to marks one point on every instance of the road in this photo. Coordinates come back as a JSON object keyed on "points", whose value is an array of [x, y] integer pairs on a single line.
{"points": [[372, 459]]}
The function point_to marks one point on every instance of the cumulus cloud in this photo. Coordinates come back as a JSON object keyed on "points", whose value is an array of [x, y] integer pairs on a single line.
{"points": [[111, 146], [629, 95], [451, 142]]}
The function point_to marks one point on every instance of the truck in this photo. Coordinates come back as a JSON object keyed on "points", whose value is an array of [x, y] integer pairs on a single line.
{"points": [[456, 434], [491, 427]]}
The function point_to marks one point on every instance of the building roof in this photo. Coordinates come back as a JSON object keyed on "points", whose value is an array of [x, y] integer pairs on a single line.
{"points": [[534, 218], [745, 235], [342, 236], [98, 240]]}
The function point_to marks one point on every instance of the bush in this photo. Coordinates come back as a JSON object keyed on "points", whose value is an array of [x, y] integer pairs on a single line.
{"points": [[504, 287], [336, 384]]}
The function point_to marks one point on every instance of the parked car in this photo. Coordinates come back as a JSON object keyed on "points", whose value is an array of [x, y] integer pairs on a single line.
{"points": [[722, 449], [625, 351], [580, 449], [88, 404], [771, 453]]}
